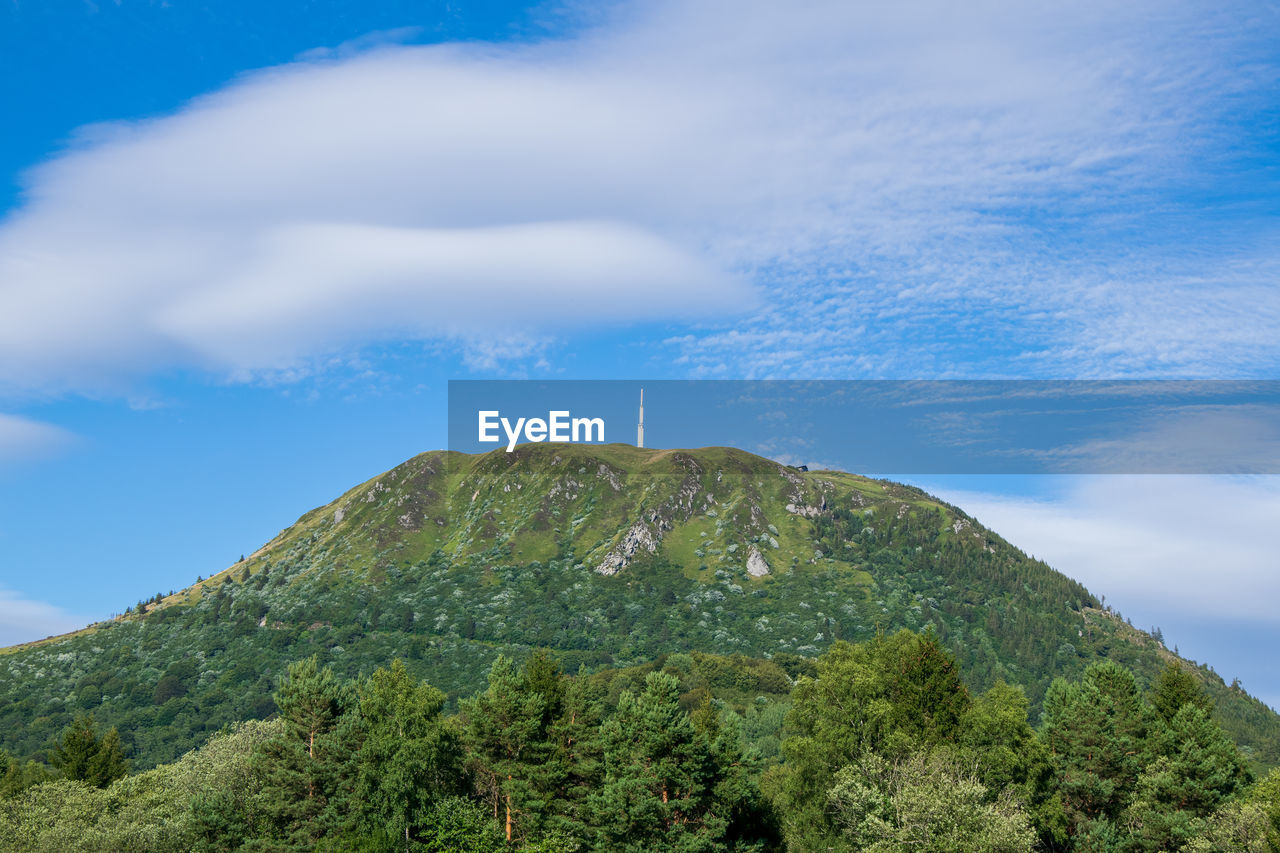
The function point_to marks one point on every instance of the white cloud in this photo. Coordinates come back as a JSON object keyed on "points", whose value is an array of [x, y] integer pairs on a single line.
{"points": [[23, 620], [918, 188], [1194, 555], [1197, 546], [25, 440]]}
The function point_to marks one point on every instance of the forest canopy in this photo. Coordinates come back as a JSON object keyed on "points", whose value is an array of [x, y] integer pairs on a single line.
{"points": [[877, 746]]}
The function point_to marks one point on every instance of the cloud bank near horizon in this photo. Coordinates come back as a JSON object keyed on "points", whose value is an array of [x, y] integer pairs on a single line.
{"points": [[923, 190], [1192, 554], [1191, 545]]}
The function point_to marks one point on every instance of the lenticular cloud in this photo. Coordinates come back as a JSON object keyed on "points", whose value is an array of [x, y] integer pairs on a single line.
{"points": [[865, 183]]}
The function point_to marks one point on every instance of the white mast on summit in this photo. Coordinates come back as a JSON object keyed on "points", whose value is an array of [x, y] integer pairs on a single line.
{"points": [[640, 426]]}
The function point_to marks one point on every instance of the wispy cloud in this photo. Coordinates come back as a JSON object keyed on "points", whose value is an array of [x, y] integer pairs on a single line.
{"points": [[25, 440], [23, 620], [905, 190]]}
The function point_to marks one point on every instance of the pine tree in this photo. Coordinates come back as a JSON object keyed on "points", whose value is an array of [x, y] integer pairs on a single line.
{"points": [[1178, 791], [751, 820], [81, 755], [575, 765], [542, 675], [1175, 687], [306, 766], [1101, 735], [661, 776], [505, 736]]}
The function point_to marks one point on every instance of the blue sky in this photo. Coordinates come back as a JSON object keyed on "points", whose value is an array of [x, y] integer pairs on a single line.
{"points": [[245, 246]]}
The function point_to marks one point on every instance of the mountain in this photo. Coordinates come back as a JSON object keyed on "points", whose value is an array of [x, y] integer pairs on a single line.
{"points": [[609, 555]]}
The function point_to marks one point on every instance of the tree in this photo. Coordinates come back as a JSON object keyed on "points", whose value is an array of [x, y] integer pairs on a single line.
{"points": [[997, 741], [1178, 791], [655, 767], [1101, 735], [751, 820], [1248, 824], [894, 696], [1175, 687], [305, 766], [575, 765], [168, 687], [1266, 797], [542, 675], [670, 784], [224, 781], [407, 759], [84, 757], [504, 731], [923, 803], [16, 776], [458, 825], [1240, 827], [54, 817]]}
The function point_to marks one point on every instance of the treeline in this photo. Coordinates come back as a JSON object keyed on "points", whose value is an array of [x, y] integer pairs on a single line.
{"points": [[883, 749]]}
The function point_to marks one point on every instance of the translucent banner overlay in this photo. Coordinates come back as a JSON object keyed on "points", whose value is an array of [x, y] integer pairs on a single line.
{"points": [[882, 427]]}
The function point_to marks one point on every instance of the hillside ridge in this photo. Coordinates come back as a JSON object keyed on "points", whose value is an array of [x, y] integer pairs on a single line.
{"points": [[609, 555]]}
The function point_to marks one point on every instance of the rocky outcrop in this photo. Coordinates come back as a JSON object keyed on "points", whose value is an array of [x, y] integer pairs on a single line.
{"points": [[805, 510], [636, 538], [610, 476]]}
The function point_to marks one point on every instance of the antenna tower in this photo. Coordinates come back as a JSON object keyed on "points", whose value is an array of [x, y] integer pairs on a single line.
{"points": [[640, 426]]}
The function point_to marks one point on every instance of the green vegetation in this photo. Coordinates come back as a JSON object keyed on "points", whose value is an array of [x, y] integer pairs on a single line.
{"points": [[83, 756], [430, 563], [883, 749], [729, 623]]}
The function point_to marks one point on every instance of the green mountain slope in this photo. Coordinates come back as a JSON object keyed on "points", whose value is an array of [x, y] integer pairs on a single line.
{"points": [[611, 556]]}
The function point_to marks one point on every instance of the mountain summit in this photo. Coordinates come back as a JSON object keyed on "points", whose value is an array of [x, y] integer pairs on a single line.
{"points": [[609, 555]]}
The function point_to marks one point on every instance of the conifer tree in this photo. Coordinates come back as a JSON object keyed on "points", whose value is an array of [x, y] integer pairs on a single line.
{"points": [[541, 674], [1178, 791], [575, 765], [1101, 735], [81, 755], [661, 776], [751, 820], [1176, 687], [305, 767], [504, 728]]}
